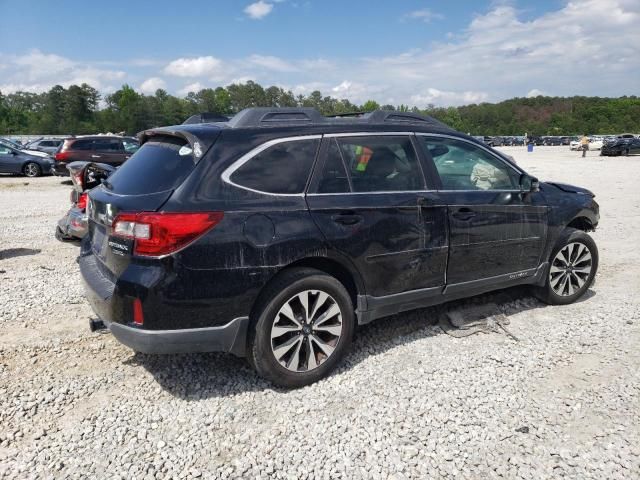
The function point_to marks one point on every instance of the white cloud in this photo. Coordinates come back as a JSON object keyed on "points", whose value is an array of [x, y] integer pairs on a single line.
{"points": [[425, 15], [150, 85], [37, 72], [194, 67], [258, 10], [534, 93], [192, 87], [272, 63]]}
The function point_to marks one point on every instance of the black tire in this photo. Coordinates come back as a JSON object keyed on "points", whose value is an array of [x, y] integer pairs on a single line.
{"points": [[547, 293], [280, 291], [32, 169]]}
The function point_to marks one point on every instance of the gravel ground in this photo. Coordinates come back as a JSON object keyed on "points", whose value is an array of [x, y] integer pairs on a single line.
{"points": [[408, 402]]}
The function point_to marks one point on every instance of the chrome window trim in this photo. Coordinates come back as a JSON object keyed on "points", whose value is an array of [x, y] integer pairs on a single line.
{"points": [[377, 192], [230, 170], [442, 135], [367, 134]]}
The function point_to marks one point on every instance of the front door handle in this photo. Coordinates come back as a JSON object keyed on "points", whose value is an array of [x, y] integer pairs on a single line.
{"points": [[347, 218], [464, 214], [95, 156]]}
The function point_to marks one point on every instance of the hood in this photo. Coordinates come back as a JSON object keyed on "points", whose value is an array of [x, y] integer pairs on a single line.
{"points": [[35, 153], [565, 187]]}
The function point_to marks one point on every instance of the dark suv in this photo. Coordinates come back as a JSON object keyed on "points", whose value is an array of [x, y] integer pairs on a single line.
{"points": [[108, 149], [274, 235]]}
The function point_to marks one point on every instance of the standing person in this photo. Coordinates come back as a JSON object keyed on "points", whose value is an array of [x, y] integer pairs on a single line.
{"points": [[584, 144]]}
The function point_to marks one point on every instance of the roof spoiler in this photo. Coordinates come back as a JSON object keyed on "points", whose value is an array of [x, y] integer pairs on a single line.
{"points": [[200, 137]]}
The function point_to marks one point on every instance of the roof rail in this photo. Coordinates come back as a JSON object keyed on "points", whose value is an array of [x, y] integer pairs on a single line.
{"points": [[265, 116], [384, 116]]}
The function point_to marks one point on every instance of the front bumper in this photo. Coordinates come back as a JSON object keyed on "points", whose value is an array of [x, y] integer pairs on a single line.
{"points": [[113, 309]]}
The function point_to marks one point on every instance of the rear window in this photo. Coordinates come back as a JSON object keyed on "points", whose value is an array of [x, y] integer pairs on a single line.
{"points": [[280, 169], [156, 167]]}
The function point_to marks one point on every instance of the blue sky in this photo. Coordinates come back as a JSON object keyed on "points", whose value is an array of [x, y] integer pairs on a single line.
{"points": [[407, 51]]}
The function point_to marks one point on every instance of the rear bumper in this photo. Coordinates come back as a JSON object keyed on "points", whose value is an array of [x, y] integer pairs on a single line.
{"points": [[113, 307], [227, 338], [60, 169], [73, 224]]}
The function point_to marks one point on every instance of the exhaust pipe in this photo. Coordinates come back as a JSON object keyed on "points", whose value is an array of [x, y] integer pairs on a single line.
{"points": [[96, 325]]}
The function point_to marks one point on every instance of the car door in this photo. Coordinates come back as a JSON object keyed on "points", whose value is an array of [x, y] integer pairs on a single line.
{"points": [[368, 197], [7, 159], [108, 150], [497, 232]]}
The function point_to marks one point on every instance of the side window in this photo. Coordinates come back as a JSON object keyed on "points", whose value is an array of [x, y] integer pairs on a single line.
{"points": [[333, 178], [4, 150], [82, 145], [130, 146], [381, 163], [107, 145], [281, 169], [464, 166]]}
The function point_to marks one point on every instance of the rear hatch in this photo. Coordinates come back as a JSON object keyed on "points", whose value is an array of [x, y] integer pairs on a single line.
{"points": [[141, 185]]}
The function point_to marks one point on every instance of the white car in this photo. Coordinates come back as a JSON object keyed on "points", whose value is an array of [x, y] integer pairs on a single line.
{"points": [[593, 145]]}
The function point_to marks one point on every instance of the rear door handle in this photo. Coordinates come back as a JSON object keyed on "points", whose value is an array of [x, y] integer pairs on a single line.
{"points": [[347, 218], [95, 156], [464, 214]]}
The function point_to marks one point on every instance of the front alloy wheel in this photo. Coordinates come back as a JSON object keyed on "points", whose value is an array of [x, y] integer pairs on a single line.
{"points": [[306, 330], [570, 269], [32, 170]]}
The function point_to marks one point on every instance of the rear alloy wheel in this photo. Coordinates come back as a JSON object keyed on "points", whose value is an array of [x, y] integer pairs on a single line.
{"points": [[304, 326], [32, 169], [572, 268], [306, 330]]}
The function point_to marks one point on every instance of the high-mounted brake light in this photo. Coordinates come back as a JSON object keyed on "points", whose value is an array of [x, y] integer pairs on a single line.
{"points": [[156, 234]]}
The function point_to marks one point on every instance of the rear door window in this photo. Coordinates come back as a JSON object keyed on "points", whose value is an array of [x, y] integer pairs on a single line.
{"points": [[283, 168], [107, 145], [157, 166], [82, 145], [381, 163]]}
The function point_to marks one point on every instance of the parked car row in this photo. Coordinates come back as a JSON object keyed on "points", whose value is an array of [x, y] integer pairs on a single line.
{"points": [[51, 156]]}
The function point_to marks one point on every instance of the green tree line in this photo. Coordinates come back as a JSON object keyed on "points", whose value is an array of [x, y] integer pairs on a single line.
{"points": [[81, 110]]}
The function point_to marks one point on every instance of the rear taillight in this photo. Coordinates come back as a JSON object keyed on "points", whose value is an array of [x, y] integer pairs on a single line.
{"points": [[61, 156], [82, 201], [157, 234]]}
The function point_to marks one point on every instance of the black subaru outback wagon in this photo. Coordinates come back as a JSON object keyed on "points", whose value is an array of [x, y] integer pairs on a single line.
{"points": [[273, 235]]}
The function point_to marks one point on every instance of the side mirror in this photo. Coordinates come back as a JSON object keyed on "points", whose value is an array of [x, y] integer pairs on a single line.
{"points": [[529, 183]]}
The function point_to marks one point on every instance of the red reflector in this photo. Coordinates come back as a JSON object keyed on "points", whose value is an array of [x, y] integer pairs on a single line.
{"points": [[158, 234], [138, 316], [82, 201]]}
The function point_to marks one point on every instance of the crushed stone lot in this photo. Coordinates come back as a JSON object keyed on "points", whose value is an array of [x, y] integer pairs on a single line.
{"points": [[559, 398]]}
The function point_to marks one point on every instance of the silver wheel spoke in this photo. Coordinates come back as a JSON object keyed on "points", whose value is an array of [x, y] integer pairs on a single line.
{"points": [[556, 281], [294, 361], [325, 347], [586, 257], [304, 300], [579, 281], [332, 312], [288, 313], [334, 330], [278, 331], [555, 269], [322, 298], [311, 355], [284, 348]]}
